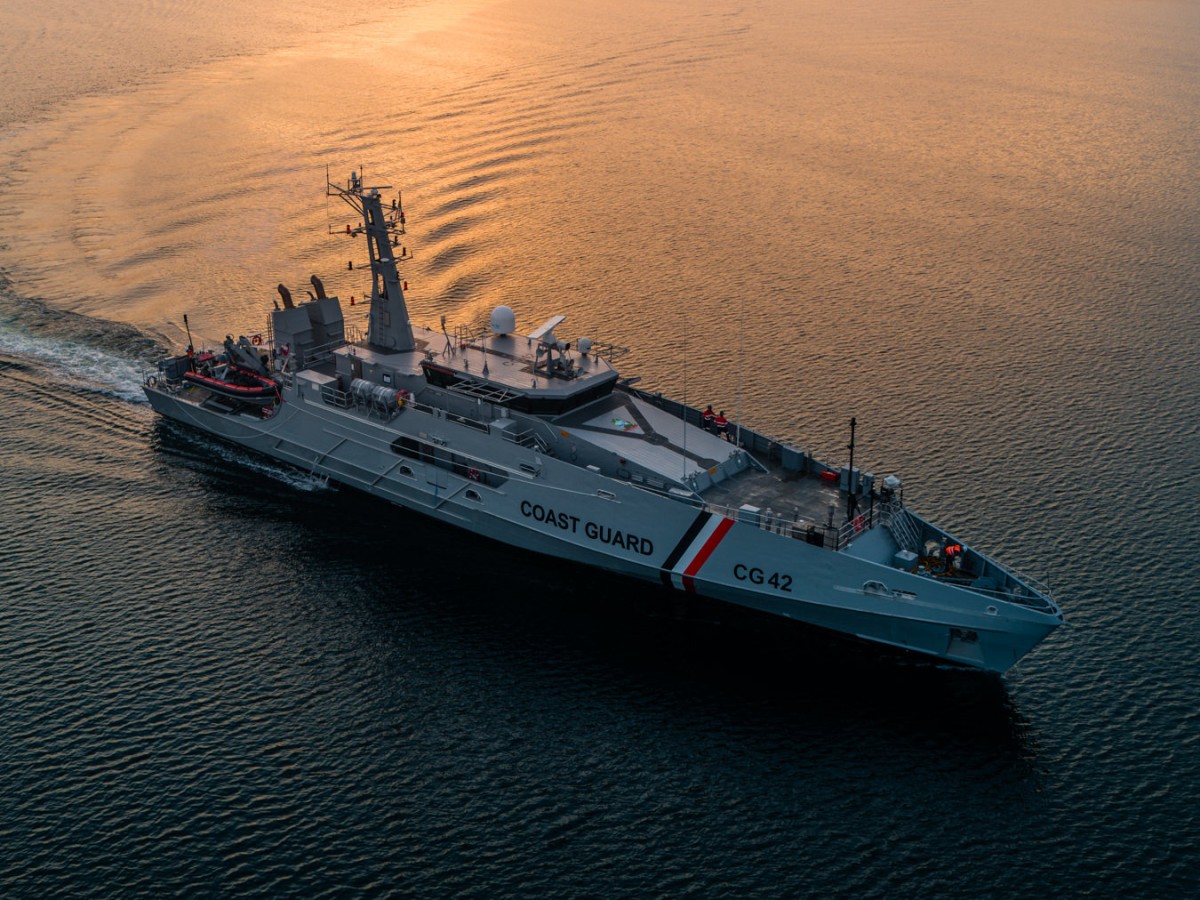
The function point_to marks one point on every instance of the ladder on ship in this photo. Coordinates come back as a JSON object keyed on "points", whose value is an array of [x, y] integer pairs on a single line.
{"points": [[902, 527]]}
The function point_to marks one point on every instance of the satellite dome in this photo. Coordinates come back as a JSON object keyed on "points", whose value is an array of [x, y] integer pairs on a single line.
{"points": [[504, 320], [584, 345]]}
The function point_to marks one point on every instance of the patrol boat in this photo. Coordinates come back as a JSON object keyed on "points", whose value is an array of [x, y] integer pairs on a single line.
{"points": [[541, 444]]}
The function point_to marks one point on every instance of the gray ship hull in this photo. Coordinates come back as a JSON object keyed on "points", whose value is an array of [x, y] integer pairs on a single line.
{"points": [[555, 508]]}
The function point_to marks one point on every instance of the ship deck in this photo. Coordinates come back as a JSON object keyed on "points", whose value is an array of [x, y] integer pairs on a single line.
{"points": [[803, 498], [642, 432], [793, 501]]}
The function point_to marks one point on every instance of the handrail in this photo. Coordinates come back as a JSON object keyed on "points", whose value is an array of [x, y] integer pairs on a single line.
{"points": [[1043, 598], [317, 354], [474, 335], [525, 438], [469, 422], [1037, 601], [1040, 587], [742, 436], [859, 525], [835, 539], [348, 400]]}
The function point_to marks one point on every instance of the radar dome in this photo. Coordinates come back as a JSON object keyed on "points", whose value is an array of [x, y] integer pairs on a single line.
{"points": [[584, 345], [504, 320]]}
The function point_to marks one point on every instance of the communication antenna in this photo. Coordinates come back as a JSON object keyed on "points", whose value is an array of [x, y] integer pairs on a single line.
{"points": [[684, 407], [191, 353], [851, 499], [737, 439]]}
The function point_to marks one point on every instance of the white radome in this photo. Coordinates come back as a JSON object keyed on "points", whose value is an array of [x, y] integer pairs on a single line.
{"points": [[504, 320]]}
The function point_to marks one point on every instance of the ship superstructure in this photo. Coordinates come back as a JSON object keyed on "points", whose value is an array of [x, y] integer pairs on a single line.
{"points": [[540, 443]]}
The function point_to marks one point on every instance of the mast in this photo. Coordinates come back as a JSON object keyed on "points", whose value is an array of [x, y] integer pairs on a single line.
{"points": [[851, 499], [388, 329]]}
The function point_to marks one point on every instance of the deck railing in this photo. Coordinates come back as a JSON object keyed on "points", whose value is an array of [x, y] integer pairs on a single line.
{"points": [[832, 537], [1043, 599], [314, 356], [366, 405], [754, 442], [910, 531]]}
